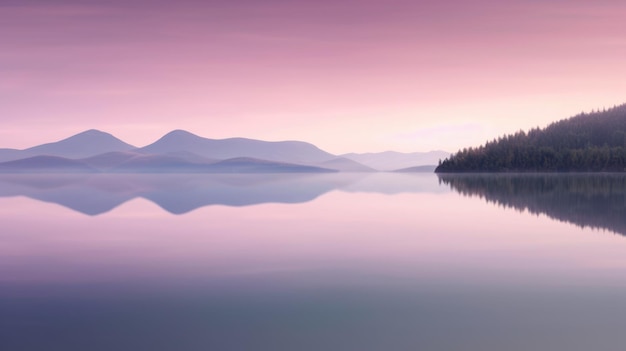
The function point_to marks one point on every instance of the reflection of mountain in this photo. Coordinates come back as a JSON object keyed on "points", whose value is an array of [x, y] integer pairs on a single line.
{"points": [[179, 197], [95, 194], [179, 193], [597, 201]]}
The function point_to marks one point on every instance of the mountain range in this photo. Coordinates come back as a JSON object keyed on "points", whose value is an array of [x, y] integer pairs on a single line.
{"points": [[179, 151]]}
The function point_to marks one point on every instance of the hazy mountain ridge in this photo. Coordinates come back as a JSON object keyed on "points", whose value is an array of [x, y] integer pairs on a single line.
{"points": [[282, 151], [109, 160], [181, 151], [345, 165], [418, 169], [392, 160], [48, 164], [85, 144], [153, 164]]}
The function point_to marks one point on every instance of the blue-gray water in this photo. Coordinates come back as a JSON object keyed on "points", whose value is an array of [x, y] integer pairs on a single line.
{"points": [[312, 262]]}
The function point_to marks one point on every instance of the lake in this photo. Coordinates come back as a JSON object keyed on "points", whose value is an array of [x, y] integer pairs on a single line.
{"points": [[302, 262]]}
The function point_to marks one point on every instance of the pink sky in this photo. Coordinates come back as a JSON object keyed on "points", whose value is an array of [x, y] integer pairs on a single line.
{"points": [[355, 75]]}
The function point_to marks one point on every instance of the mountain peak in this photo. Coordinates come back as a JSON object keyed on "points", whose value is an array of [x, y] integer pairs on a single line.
{"points": [[92, 133], [84, 144], [179, 133]]}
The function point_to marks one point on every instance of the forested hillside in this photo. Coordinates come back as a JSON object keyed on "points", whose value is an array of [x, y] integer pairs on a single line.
{"points": [[588, 142]]}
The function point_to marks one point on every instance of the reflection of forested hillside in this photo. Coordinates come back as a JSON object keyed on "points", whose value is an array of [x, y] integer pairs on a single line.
{"points": [[597, 201]]}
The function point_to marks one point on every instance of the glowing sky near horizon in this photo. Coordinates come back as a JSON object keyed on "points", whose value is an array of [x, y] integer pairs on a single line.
{"points": [[355, 75]]}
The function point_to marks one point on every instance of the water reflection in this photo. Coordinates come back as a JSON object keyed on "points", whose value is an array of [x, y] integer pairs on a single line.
{"points": [[182, 193], [354, 269], [597, 201]]}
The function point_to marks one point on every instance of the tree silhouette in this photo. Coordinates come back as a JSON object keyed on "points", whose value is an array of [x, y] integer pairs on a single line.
{"points": [[588, 142]]}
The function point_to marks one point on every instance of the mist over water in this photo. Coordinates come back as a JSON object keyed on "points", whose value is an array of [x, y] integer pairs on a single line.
{"points": [[312, 261]]}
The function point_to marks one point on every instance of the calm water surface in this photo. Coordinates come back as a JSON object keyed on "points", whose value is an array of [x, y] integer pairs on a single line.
{"points": [[313, 262]]}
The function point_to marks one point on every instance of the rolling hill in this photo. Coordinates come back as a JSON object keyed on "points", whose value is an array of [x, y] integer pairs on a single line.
{"points": [[46, 164], [138, 163], [88, 143], [221, 149], [182, 151]]}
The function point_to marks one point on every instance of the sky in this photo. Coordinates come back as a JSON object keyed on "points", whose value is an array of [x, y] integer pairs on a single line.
{"points": [[348, 76]]}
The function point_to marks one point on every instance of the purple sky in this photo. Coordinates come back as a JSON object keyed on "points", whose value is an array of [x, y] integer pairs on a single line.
{"points": [[366, 75]]}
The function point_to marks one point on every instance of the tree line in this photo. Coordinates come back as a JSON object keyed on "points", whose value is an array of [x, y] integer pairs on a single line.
{"points": [[588, 142]]}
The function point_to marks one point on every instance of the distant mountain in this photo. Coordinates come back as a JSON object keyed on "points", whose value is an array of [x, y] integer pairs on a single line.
{"points": [[343, 164], [45, 164], [251, 165], [281, 151], [158, 164], [110, 160], [391, 160], [421, 169], [589, 142], [138, 163], [88, 143], [10, 154], [183, 152], [173, 164], [190, 156]]}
